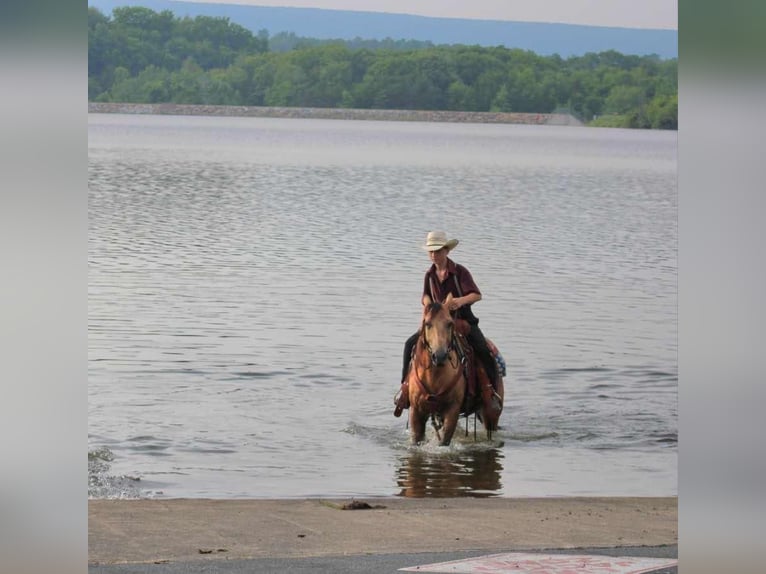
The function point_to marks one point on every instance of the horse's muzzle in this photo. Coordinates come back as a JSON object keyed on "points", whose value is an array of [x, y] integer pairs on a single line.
{"points": [[438, 357]]}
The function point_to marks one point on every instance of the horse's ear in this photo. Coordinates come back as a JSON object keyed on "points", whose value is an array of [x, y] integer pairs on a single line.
{"points": [[426, 301], [447, 300]]}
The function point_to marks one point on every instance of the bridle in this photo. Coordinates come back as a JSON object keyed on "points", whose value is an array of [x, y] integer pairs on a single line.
{"points": [[450, 347], [433, 398]]}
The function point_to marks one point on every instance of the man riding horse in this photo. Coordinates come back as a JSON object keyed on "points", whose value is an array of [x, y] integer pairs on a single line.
{"points": [[446, 277]]}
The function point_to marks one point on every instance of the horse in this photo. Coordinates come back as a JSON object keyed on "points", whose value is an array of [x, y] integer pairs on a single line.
{"points": [[437, 379]]}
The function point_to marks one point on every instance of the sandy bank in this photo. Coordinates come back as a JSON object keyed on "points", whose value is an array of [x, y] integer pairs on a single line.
{"points": [[202, 529], [335, 114]]}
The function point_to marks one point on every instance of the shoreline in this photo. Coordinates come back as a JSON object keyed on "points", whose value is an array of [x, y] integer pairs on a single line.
{"points": [[187, 530], [335, 114]]}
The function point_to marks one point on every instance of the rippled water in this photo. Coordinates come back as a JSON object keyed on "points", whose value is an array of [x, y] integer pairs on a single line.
{"points": [[252, 281]]}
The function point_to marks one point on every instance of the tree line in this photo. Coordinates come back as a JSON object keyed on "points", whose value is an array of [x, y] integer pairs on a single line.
{"points": [[138, 55]]}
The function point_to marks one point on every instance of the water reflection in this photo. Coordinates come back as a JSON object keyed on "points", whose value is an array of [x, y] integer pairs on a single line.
{"points": [[473, 473]]}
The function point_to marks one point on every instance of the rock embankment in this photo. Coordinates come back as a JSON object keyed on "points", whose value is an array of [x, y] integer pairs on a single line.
{"points": [[335, 114]]}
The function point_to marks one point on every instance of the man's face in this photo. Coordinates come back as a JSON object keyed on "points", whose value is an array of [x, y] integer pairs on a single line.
{"points": [[439, 257]]}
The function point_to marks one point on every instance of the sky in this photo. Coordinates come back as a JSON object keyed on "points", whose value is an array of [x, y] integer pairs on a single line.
{"points": [[662, 14]]}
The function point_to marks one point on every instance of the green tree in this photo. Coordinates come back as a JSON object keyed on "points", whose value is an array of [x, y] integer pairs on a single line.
{"points": [[185, 84], [485, 89], [458, 95], [286, 87], [502, 100], [623, 98], [151, 85], [662, 112]]}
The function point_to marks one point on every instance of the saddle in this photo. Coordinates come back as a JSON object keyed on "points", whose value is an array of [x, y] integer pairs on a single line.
{"points": [[478, 388]]}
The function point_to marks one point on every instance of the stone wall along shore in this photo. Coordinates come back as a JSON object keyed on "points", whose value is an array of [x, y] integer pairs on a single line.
{"points": [[335, 114]]}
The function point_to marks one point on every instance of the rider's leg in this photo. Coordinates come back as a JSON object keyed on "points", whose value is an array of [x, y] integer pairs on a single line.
{"points": [[407, 355], [482, 353], [479, 344], [402, 398]]}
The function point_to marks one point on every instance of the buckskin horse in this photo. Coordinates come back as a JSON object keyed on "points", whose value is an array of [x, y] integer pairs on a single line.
{"points": [[438, 379]]}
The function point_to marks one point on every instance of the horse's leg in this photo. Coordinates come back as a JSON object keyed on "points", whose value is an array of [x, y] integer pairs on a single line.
{"points": [[489, 414], [450, 424], [417, 426]]}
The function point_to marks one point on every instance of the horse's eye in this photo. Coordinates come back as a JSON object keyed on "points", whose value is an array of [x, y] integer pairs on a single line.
{"points": [[428, 325]]}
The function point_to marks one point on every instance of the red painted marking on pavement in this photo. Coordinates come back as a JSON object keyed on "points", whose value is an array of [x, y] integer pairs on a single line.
{"points": [[524, 563]]}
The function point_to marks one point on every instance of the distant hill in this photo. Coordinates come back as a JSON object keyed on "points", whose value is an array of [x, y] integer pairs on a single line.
{"points": [[542, 38]]}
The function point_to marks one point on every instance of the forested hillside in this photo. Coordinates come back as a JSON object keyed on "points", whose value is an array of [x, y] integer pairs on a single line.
{"points": [[138, 55]]}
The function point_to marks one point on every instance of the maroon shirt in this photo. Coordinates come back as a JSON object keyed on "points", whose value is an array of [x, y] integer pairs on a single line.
{"points": [[443, 288]]}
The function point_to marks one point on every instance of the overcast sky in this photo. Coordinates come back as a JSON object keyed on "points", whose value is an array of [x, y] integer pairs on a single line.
{"points": [[621, 13]]}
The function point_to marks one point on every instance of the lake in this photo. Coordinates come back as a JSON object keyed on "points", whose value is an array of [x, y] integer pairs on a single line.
{"points": [[252, 282]]}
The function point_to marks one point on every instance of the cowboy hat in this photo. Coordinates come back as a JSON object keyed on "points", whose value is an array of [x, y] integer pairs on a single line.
{"points": [[435, 240]]}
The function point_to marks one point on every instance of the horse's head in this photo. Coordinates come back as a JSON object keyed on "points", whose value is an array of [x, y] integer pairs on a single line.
{"points": [[437, 330]]}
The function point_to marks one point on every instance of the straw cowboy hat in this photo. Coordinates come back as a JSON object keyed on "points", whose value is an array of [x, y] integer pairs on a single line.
{"points": [[438, 239]]}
